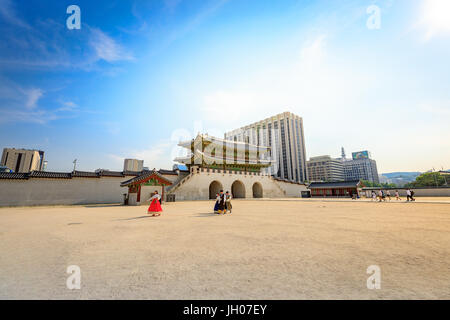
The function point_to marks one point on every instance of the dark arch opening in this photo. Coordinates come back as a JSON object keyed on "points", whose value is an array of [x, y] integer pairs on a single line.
{"points": [[238, 189], [214, 188], [257, 190]]}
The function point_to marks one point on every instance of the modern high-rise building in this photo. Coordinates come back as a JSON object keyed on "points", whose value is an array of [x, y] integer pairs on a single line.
{"points": [[133, 165], [283, 133], [325, 169], [22, 160], [361, 167]]}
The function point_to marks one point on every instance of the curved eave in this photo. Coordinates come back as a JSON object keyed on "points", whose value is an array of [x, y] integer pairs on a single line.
{"points": [[238, 162], [228, 144]]}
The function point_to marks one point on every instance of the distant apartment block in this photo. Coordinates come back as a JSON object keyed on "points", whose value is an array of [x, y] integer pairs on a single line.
{"points": [[283, 133], [133, 165], [22, 160], [325, 169]]}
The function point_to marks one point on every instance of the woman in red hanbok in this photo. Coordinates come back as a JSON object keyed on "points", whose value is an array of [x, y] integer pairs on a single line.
{"points": [[155, 206]]}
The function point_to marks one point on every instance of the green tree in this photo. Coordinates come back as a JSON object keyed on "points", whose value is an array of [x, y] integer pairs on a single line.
{"points": [[379, 185], [428, 179]]}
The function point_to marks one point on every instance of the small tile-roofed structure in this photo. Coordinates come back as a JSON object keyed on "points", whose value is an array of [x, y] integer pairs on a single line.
{"points": [[147, 178], [335, 189]]}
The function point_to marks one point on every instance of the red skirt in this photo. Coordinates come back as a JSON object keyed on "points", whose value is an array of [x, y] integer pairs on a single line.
{"points": [[155, 206]]}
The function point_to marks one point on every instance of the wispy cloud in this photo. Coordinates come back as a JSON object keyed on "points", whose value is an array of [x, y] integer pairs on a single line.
{"points": [[48, 44], [21, 104], [8, 13], [107, 48], [171, 5], [69, 106]]}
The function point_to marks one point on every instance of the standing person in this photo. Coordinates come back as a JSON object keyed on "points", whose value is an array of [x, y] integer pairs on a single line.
{"points": [[380, 195], [221, 206], [216, 204], [408, 194], [228, 206], [155, 206], [374, 196], [397, 195], [388, 195]]}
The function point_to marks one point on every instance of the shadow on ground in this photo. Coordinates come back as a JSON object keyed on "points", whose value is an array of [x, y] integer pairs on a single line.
{"points": [[103, 205], [204, 215]]}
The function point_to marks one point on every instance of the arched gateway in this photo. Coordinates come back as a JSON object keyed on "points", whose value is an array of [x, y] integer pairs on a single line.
{"points": [[238, 189], [214, 188], [257, 190]]}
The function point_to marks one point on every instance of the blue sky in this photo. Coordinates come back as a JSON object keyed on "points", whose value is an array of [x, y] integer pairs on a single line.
{"points": [[141, 75]]}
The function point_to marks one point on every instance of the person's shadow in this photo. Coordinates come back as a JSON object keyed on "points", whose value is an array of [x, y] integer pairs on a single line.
{"points": [[205, 215], [134, 218]]}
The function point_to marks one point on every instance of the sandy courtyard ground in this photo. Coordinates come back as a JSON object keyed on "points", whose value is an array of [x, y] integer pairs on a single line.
{"points": [[264, 250]]}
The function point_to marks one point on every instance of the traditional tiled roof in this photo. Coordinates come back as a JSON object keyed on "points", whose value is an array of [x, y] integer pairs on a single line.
{"points": [[85, 174], [13, 175], [133, 173], [107, 173], [163, 171], [287, 181], [339, 184], [144, 176], [67, 175], [51, 175]]}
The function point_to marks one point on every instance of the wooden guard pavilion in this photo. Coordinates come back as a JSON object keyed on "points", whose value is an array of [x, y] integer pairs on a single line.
{"points": [[140, 187]]}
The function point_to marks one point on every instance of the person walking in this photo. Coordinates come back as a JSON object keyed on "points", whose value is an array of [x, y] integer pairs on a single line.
{"points": [[412, 195], [155, 207], [408, 195], [221, 206], [228, 206], [388, 195], [216, 204], [397, 195], [374, 196]]}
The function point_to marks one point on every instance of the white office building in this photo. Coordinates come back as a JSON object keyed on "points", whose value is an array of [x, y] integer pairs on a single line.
{"points": [[283, 133], [133, 165]]}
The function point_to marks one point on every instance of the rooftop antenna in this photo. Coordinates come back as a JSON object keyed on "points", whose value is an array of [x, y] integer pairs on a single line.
{"points": [[342, 153]]}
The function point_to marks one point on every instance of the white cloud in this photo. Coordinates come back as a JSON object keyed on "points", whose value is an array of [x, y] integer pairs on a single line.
{"points": [[32, 96], [107, 48], [435, 18]]}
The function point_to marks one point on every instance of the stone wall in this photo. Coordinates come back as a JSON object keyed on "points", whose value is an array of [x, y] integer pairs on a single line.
{"points": [[45, 191], [201, 184]]}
